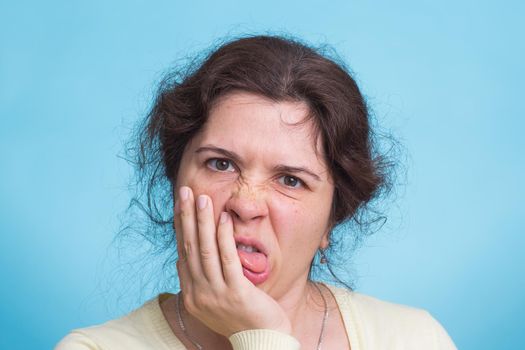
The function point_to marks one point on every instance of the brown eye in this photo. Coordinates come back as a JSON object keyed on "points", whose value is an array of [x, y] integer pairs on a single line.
{"points": [[220, 164], [291, 181]]}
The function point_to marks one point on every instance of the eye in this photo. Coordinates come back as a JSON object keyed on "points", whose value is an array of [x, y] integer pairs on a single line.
{"points": [[291, 181], [219, 164]]}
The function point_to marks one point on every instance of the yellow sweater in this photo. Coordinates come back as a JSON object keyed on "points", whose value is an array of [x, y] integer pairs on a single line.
{"points": [[371, 324]]}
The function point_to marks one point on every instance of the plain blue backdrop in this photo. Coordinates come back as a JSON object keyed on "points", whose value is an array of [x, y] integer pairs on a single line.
{"points": [[445, 77]]}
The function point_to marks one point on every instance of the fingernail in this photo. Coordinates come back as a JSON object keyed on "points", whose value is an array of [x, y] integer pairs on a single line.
{"points": [[224, 217], [176, 208], [202, 201], [184, 193]]}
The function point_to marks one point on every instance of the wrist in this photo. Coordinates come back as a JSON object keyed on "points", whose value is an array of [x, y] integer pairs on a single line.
{"points": [[262, 339]]}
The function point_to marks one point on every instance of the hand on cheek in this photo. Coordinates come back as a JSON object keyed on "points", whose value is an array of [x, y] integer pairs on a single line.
{"points": [[214, 289]]}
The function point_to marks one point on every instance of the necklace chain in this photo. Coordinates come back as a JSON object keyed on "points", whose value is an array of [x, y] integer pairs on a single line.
{"points": [[199, 346], [182, 326], [325, 317]]}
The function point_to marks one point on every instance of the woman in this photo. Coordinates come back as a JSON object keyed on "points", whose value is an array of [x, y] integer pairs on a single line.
{"points": [[267, 147]]}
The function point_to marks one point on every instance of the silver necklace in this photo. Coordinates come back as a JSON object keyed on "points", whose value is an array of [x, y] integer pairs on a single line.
{"points": [[199, 346], [325, 317], [183, 327]]}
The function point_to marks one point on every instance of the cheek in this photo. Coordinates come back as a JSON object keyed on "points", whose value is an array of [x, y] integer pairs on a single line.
{"points": [[285, 216], [290, 220], [298, 225], [219, 192]]}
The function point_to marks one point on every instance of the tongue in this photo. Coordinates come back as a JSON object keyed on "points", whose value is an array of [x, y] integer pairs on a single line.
{"points": [[255, 262]]}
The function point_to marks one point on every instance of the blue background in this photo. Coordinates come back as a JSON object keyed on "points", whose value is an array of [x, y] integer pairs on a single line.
{"points": [[445, 77]]}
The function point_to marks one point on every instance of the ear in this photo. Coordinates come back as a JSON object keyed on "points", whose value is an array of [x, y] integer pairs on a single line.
{"points": [[325, 240]]}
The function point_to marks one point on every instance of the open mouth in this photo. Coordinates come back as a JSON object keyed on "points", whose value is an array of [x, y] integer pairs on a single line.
{"points": [[247, 248], [254, 261]]}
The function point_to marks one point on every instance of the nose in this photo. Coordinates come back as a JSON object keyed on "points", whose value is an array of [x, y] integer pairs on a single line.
{"points": [[247, 204]]}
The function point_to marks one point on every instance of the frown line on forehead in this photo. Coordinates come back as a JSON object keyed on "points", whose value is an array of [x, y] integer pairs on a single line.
{"points": [[278, 167]]}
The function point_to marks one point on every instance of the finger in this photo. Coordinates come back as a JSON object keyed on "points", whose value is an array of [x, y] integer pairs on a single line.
{"points": [[231, 264], [189, 237], [177, 226], [183, 274], [185, 282], [209, 252]]}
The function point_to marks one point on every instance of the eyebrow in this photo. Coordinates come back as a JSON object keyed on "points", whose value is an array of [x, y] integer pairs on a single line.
{"points": [[280, 167]]}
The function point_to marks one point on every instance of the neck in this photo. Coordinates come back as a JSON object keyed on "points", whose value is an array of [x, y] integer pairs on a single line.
{"points": [[301, 303]]}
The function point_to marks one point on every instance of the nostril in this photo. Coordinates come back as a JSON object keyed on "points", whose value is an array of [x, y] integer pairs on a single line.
{"points": [[234, 214]]}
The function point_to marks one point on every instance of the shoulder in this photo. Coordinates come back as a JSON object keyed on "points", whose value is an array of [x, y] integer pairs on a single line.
{"points": [[378, 324], [144, 328]]}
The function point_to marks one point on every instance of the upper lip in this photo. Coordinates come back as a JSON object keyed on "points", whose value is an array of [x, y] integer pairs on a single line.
{"points": [[251, 241]]}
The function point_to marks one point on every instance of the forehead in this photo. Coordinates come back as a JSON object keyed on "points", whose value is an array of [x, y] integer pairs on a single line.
{"points": [[255, 125], [242, 102]]}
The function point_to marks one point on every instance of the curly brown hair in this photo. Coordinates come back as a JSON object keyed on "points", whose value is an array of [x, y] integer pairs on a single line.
{"points": [[281, 69]]}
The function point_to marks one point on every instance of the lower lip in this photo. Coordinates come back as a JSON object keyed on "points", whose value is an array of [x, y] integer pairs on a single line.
{"points": [[256, 278]]}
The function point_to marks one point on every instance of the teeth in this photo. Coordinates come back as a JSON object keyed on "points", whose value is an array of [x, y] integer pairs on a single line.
{"points": [[247, 248]]}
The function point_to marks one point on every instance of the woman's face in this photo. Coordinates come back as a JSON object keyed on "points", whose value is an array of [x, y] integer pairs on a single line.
{"points": [[270, 176]]}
